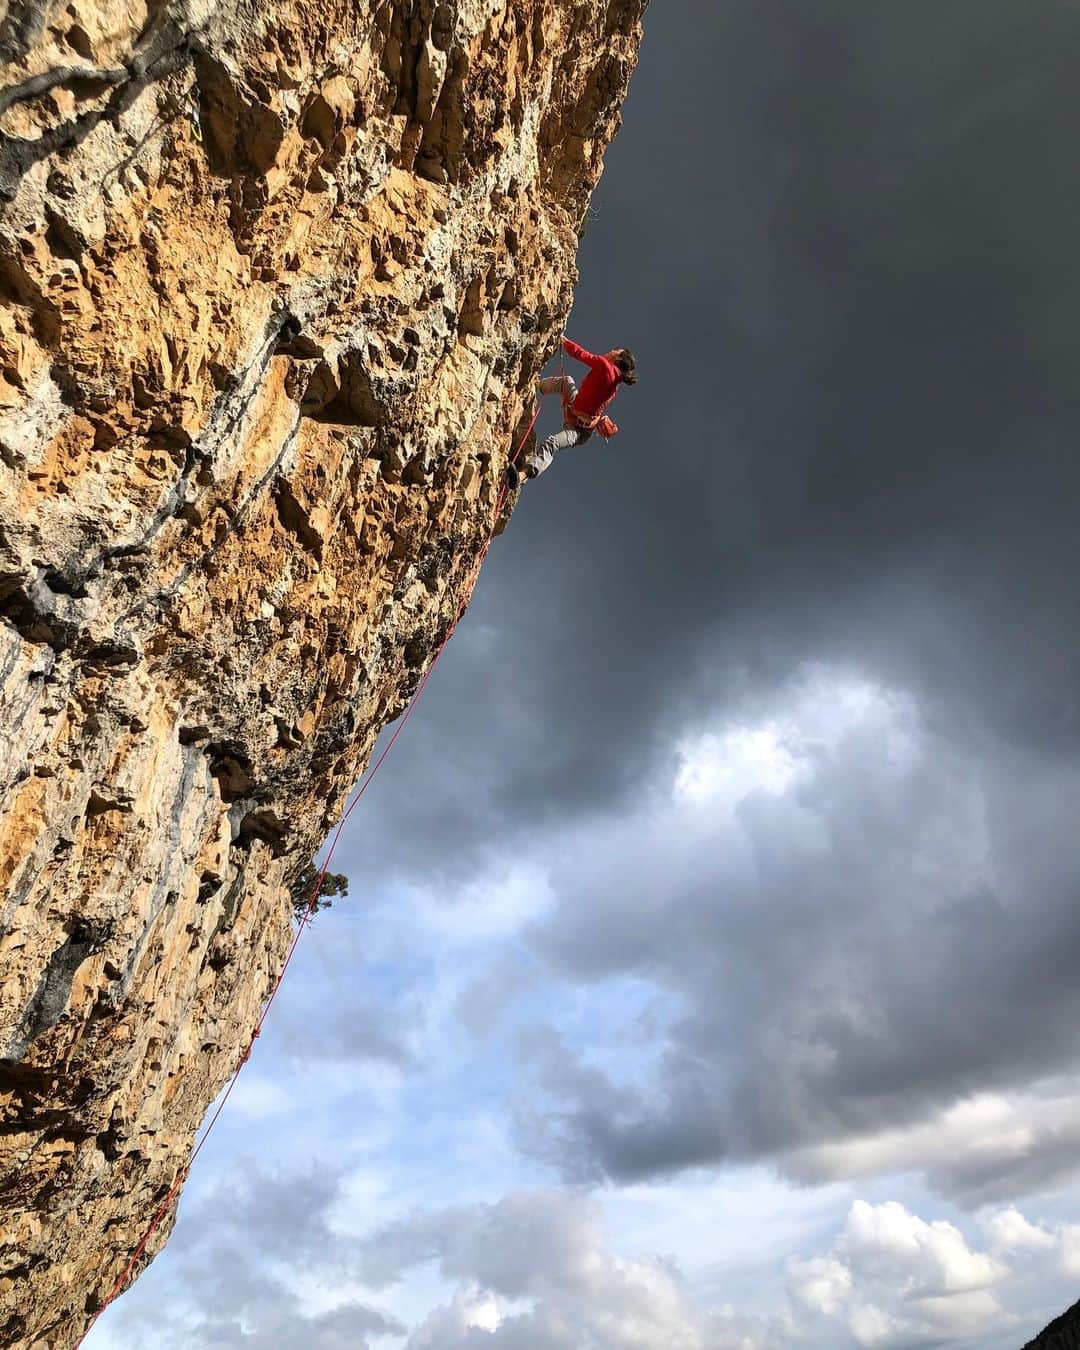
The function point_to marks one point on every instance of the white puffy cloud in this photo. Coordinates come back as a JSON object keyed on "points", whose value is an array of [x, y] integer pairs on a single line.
{"points": [[887, 1244], [823, 1284], [893, 1280], [1008, 1231], [1069, 1249]]}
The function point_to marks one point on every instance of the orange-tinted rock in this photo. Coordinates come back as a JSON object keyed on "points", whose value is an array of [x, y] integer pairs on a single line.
{"points": [[275, 294]]}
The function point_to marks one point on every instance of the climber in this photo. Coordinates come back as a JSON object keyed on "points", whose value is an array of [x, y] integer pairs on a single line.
{"points": [[583, 411]]}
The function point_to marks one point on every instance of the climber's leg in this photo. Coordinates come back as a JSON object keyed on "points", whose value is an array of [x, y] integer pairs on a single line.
{"points": [[545, 452], [559, 384], [532, 466]]}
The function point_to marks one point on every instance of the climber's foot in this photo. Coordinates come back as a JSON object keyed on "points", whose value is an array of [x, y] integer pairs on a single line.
{"points": [[513, 477]]}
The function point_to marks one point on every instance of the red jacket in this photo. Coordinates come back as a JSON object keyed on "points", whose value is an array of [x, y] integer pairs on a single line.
{"points": [[598, 388]]}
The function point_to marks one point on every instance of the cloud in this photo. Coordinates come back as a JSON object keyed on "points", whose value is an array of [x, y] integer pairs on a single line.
{"points": [[1069, 1248], [1008, 1231], [270, 1327], [245, 1260], [822, 1284], [228, 1303], [922, 1260], [894, 1280], [352, 1030], [533, 1271], [978, 1150], [272, 1261], [782, 912]]}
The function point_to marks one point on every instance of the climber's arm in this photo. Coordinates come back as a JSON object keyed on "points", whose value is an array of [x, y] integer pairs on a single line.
{"points": [[580, 354]]}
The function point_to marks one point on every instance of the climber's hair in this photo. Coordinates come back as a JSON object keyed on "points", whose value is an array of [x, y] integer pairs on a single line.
{"points": [[626, 365]]}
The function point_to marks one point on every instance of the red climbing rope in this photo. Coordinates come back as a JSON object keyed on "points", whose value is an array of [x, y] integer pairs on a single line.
{"points": [[164, 1207]]}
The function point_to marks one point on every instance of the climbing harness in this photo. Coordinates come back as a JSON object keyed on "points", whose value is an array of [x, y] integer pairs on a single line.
{"points": [[166, 1204]]}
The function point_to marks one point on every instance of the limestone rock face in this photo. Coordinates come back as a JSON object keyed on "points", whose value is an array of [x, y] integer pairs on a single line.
{"points": [[277, 277]]}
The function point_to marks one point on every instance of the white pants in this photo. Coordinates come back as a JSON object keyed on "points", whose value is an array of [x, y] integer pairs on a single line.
{"points": [[571, 434]]}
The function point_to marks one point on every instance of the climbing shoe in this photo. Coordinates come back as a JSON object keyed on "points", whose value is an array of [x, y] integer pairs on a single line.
{"points": [[513, 477]]}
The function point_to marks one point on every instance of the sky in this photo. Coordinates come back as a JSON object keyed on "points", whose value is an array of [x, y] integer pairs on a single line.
{"points": [[708, 976]]}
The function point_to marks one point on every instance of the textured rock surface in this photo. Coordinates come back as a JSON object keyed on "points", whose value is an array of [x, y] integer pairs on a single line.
{"points": [[276, 276]]}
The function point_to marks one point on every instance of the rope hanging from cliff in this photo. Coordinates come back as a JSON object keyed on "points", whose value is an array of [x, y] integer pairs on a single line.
{"points": [[166, 1204]]}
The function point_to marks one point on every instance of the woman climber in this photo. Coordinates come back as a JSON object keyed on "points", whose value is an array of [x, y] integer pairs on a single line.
{"points": [[583, 411]]}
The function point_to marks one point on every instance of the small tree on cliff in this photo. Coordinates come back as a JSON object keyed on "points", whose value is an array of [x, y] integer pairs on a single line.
{"points": [[333, 884]]}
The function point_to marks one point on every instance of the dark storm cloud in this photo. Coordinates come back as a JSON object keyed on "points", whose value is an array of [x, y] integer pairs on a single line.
{"points": [[855, 244], [842, 240]]}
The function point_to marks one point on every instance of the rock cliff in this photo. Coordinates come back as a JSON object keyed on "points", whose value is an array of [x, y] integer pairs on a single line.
{"points": [[277, 277]]}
